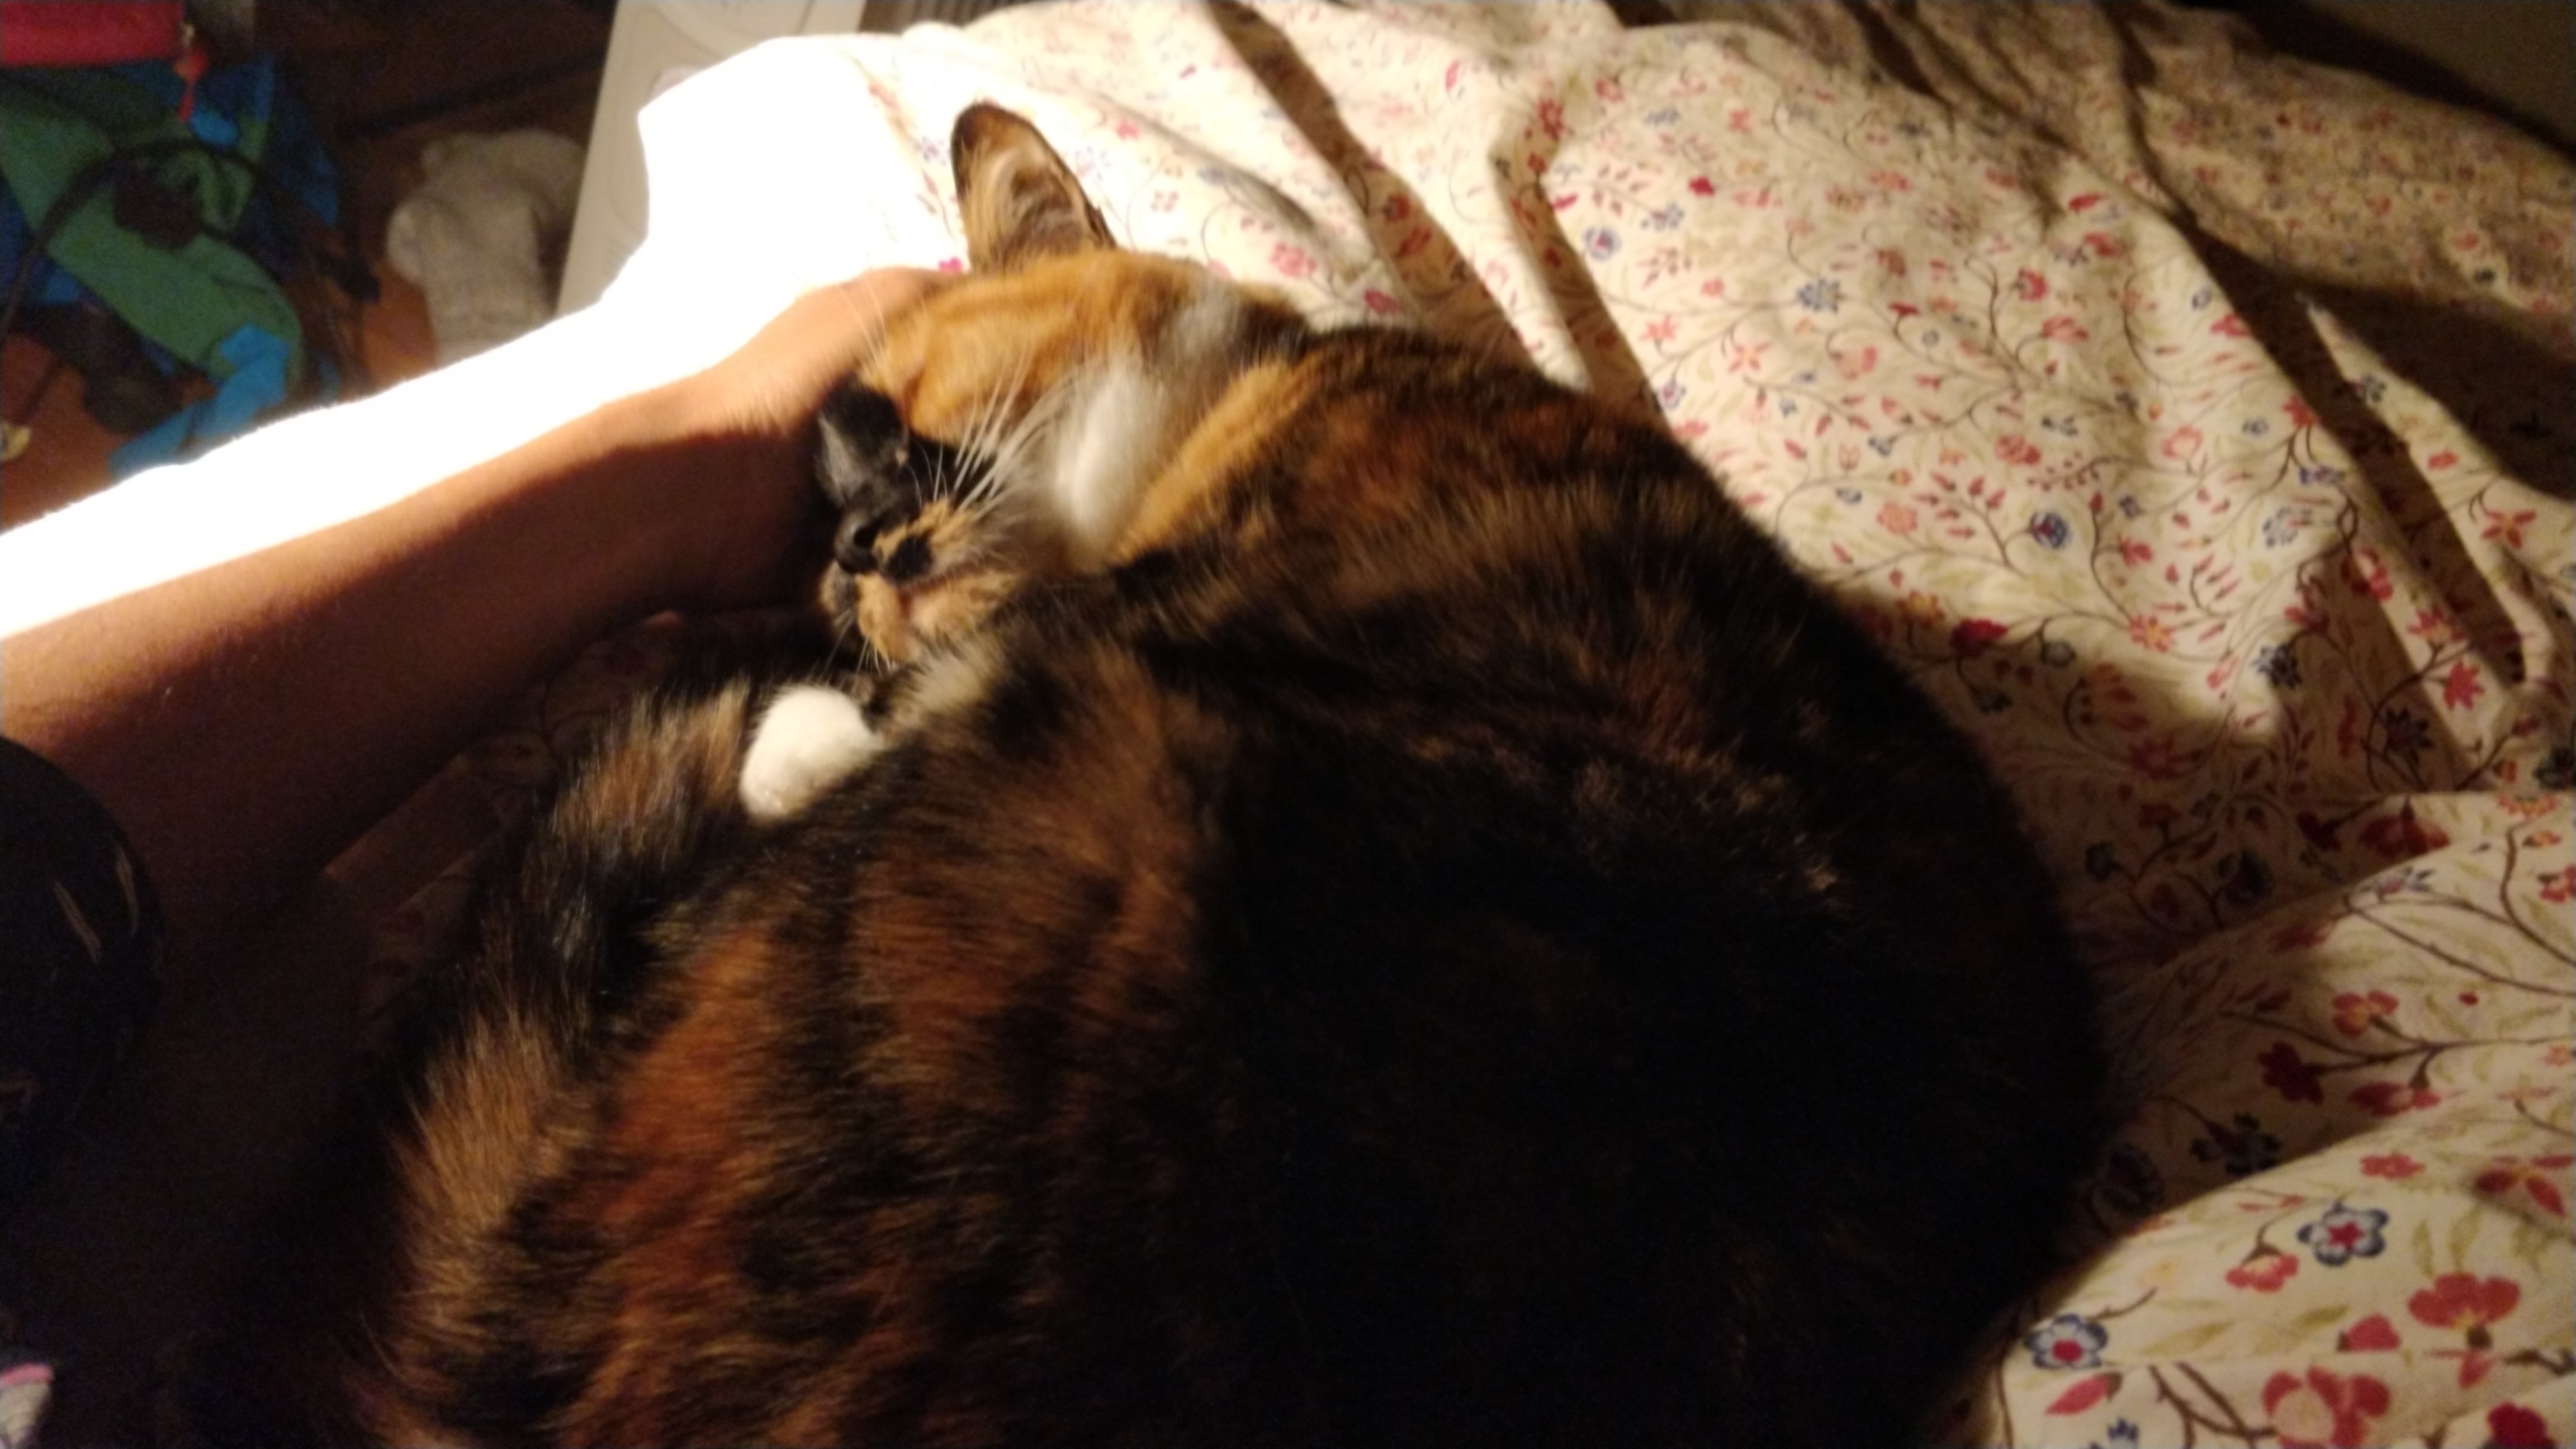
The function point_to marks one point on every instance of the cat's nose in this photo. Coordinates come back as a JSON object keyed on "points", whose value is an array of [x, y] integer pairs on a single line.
{"points": [[854, 542], [909, 561]]}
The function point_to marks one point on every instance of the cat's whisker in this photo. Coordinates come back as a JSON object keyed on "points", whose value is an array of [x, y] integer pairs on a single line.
{"points": [[1013, 447], [987, 434]]}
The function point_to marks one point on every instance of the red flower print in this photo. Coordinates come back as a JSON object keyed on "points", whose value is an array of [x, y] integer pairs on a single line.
{"points": [[2030, 286], [1380, 303], [2391, 1099], [1702, 186], [1551, 119], [2301, 415], [2295, 1078], [2264, 1274], [2305, 933], [2150, 631], [2134, 552], [2324, 1408], [2433, 627], [2014, 448], [2509, 526], [2158, 758], [1972, 637], [2355, 1012], [2465, 1300], [2371, 1335], [2401, 836], [2537, 1177], [2559, 885], [2511, 1426], [2461, 688], [2084, 1395], [2392, 1165], [1292, 261]]}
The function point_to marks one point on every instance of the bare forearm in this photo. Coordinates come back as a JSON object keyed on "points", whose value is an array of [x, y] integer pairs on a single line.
{"points": [[246, 722]]}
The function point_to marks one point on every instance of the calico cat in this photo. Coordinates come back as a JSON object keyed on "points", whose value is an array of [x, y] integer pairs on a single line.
{"points": [[1368, 907]]}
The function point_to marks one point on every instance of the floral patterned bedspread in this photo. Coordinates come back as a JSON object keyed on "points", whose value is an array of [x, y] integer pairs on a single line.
{"points": [[2189, 421], [2199, 443]]}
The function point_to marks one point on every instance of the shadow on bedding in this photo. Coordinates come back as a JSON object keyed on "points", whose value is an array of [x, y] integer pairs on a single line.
{"points": [[1454, 301]]}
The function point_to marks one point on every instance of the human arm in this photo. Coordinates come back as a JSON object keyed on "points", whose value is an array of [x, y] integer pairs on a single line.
{"points": [[245, 722]]}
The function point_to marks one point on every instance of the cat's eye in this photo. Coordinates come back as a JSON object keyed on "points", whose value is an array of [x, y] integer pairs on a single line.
{"points": [[909, 561]]}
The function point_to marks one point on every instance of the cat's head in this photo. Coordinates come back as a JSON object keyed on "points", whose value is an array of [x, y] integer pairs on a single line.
{"points": [[1023, 425]]}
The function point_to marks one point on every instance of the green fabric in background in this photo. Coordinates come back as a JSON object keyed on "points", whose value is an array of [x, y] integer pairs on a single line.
{"points": [[56, 123]]}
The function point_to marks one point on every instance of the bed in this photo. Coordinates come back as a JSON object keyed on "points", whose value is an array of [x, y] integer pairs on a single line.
{"points": [[2190, 421]]}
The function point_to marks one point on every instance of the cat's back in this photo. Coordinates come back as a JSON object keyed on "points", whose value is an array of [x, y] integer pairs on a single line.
{"points": [[1457, 937]]}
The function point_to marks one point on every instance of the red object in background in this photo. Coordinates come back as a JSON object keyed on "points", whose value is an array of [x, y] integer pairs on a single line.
{"points": [[90, 32]]}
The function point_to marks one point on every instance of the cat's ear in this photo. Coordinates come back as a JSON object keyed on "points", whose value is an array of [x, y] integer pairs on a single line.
{"points": [[1019, 199]]}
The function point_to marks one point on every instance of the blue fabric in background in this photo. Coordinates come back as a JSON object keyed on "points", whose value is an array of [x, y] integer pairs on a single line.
{"points": [[248, 110]]}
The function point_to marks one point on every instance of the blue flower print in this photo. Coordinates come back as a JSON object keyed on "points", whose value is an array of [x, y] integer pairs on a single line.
{"points": [[1664, 218], [2344, 1234], [1600, 243], [1824, 294], [2277, 664], [2068, 1341], [2407, 734], [2200, 299], [2371, 387], [1663, 117], [2257, 427], [2241, 1147], [2129, 1181], [2415, 878], [1671, 394], [2121, 1435], [1848, 495], [2320, 475], [2281, 529], [2558, 772], [2050, 529]]}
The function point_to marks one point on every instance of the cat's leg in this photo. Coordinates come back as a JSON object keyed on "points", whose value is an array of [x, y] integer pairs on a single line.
{"points": [[809, 739]]}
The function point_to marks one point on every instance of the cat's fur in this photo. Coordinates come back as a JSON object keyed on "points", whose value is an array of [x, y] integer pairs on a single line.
{"points": [[1376, 910]]}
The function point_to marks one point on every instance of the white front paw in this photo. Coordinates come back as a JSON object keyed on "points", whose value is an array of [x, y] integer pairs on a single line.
{"points": [[809, 740]]}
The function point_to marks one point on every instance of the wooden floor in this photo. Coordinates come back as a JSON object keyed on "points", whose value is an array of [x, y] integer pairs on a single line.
{"points": [[382, 80]]}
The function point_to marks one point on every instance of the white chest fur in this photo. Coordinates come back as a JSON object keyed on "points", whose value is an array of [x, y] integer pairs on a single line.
{"points": [[1127, 416]]}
